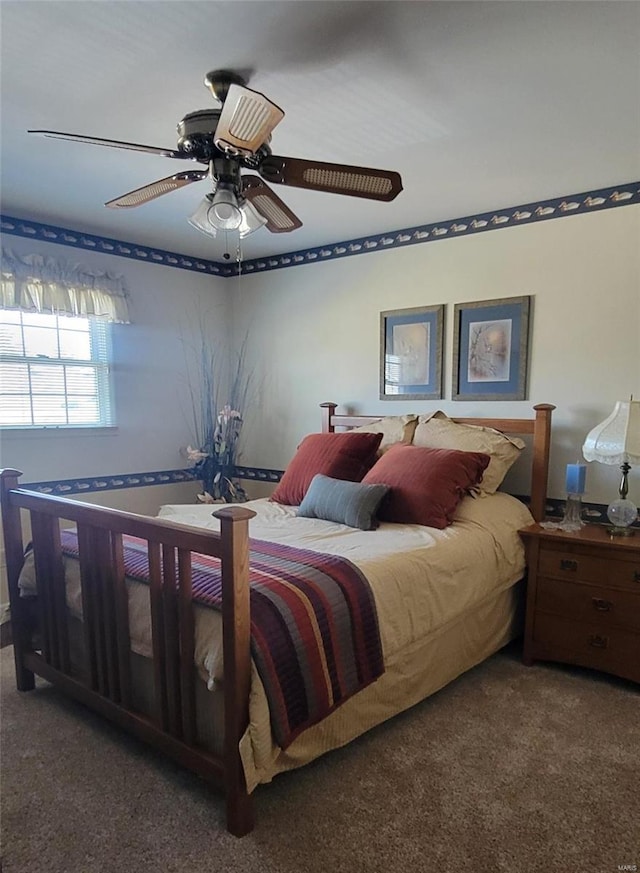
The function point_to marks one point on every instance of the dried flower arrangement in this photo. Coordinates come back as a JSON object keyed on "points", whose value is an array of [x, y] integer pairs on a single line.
{"points": [[217, 428]]}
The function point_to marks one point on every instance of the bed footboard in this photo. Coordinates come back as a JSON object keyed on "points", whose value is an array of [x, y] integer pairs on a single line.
{"points": [[41, 636]]}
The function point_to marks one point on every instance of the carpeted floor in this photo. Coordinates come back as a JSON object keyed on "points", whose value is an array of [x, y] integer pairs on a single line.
{"points": [[507, 769]]}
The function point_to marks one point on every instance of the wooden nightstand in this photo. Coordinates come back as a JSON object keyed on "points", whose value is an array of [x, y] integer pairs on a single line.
{"points": [[583, 599]]}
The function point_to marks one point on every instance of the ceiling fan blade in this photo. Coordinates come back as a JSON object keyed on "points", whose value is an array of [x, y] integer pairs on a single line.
{"points": [[280, 219], [156, 189], [113, 143], [333, 178], [246, 121]]}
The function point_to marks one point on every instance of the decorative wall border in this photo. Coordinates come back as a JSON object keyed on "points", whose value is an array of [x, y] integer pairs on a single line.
{"points": [[258, 474], [105, 245], [595, 513], [542, 210], [141, 480], [110, 483]]}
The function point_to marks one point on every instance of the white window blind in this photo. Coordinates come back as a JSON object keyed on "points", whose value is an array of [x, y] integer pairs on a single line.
{"points": [[54, 371]]}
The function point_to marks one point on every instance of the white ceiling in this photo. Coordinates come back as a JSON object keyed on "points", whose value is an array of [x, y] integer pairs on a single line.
{"points": [[479, 105]]}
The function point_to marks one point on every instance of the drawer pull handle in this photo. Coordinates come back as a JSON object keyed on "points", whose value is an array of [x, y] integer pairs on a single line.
{"points": [[598, 642], [567, 564], [601, 605], [636, 576]]}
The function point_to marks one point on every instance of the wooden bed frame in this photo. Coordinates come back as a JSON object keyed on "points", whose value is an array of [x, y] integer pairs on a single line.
{"points": [[172, 729]]}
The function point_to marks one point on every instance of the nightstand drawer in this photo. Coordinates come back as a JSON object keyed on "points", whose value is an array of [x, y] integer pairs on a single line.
{"points": [[575, 565], [604, 607], [613, 650]]}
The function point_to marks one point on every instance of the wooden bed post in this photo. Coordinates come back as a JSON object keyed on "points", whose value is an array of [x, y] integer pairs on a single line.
{"points": [[540, 466], [14, 554], [236, 643], [328, 411]]}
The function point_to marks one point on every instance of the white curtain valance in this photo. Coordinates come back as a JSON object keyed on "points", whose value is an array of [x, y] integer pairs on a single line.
{"points": [[33, 283]]}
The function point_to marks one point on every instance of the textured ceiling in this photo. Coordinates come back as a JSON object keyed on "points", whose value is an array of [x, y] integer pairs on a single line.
{"points": [[479, 105]]}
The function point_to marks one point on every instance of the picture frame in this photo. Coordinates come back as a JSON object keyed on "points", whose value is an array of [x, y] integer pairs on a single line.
{"points": [[411, 346], [491, 349]]}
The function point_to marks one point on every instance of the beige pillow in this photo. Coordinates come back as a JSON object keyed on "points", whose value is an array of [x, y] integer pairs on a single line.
{"points": [[438, 431], [394, 429]]}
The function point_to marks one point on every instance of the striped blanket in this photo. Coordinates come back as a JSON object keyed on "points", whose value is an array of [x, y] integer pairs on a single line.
{"points": [[314, 627]]}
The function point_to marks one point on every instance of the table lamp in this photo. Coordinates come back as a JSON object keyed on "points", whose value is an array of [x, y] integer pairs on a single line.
{"points": [[617, 441]]}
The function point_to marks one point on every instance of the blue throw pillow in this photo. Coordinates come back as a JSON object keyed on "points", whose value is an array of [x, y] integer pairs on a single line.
{"points": [[349, 503]]}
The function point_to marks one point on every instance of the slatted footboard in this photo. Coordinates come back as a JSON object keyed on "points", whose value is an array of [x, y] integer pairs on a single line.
{"points": [[42, 638]]}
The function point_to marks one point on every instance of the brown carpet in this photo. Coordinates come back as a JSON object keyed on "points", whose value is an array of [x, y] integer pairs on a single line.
{"points": [[507, 769]]}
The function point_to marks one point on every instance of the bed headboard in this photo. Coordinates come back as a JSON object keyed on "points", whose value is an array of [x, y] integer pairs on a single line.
{"points": [[538, 426]]}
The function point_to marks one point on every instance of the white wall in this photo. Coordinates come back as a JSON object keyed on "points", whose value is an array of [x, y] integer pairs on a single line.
{"points": [[315, 330], [149, 375]]}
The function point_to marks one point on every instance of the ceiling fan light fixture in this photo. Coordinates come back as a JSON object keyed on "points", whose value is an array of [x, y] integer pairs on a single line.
{"points": [[251, 219], [200, 218], [224, 211]]}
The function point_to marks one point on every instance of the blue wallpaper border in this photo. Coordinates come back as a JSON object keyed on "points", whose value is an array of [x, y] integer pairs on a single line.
{"points": [[542, 210], [595, 513], [63, 487], [141, 480], [105, 245]]}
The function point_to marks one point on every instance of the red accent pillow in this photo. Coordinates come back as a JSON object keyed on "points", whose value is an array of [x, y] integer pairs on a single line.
{"points": [[339, 455], [426, 484]]}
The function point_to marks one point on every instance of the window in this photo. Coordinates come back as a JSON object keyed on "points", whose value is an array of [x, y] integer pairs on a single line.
{"points": [[54, 370]]}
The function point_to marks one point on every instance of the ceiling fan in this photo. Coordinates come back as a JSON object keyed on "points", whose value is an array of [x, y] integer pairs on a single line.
{"points": [[229, 140]]}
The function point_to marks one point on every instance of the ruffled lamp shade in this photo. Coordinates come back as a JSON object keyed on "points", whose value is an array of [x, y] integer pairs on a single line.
{"points": [[617, 439]]}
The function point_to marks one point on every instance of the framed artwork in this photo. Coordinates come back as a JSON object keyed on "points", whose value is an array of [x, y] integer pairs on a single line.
{"points": [[411, 353], [490, 349]]}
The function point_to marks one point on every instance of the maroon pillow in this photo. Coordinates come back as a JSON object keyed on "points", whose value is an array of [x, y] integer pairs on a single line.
{"points": [[426, 484], [339, 455]]}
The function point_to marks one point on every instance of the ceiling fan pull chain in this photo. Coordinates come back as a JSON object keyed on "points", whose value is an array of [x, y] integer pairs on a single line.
{"points": [[227, 254], [239, 256]]}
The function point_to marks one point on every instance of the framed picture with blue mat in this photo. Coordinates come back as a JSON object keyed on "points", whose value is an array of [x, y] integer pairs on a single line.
{"points": [[491, 348], [411, 353]]}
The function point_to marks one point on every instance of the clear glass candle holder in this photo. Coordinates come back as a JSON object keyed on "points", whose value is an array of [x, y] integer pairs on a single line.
{"points": [[572, 519]]}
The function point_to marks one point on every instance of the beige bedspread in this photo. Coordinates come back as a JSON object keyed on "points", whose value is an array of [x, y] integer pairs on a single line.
{"points": [[445, 601]]}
